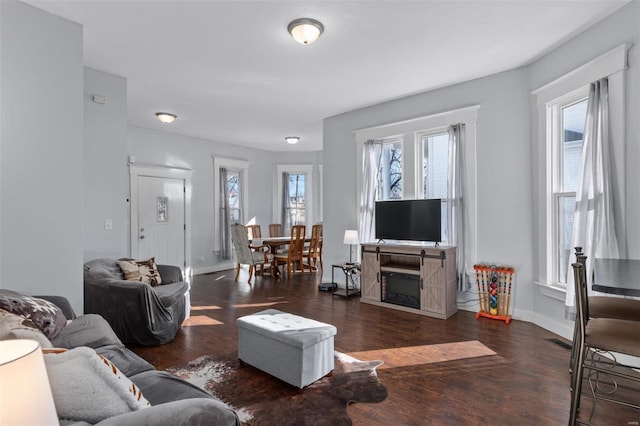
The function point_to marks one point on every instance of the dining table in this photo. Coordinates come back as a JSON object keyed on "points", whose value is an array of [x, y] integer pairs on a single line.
{"points": [[617, 276], [273, 243]]}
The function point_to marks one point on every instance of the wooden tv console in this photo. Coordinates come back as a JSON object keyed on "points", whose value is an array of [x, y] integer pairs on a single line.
{"points": [[432, 268]]}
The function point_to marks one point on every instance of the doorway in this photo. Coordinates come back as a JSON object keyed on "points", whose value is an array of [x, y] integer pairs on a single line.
{"points": [[160, 215]]}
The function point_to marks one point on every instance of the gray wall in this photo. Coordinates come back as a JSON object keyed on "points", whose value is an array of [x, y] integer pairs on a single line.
{"points": [[41, 158], [106, 182]]}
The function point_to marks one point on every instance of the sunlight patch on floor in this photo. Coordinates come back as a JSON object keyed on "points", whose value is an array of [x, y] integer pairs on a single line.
{"points": [[195, 320], [425, 354], [205, 308], [258, 305]]}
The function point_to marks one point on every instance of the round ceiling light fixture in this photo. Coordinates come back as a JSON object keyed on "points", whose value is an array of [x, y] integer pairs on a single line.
{"points": [[305, 30], [166, 117], [292, 140]]}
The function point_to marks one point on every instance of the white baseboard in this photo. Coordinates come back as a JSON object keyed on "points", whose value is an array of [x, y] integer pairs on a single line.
{"points": [[215, 268], [554, 326]]}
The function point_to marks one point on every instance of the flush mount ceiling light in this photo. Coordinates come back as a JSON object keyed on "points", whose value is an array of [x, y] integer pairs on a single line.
{"points": [[292, 140], [305, 30], [166, 117]]}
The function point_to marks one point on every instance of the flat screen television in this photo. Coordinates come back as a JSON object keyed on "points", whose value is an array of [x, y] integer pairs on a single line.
{"points": [[415, 220]]}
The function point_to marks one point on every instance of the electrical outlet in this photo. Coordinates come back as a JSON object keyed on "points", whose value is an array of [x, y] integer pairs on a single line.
{"points": [[108, 224]]}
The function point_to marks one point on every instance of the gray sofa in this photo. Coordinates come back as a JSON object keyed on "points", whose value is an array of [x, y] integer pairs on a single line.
{"points": [[137, 312], [173, 400]]}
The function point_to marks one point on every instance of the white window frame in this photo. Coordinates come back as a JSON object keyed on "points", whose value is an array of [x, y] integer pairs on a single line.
{"points": [[554, 145], [241, 166], [409, 130], [420, 161], [612, 65], [306, 169]]}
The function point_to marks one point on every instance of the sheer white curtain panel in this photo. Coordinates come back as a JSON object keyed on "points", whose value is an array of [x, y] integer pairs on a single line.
{"points": [[593, 222], [456, 228], [371, 165], [286, 215]]}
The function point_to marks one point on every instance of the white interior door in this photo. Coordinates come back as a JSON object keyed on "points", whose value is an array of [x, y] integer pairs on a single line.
{"points": [[161, 227]]}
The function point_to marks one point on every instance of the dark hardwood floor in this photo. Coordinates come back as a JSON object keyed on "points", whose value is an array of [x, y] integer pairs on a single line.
{"points": [[527, 382]]}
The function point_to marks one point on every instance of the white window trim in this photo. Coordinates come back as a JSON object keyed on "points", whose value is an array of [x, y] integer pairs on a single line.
{"points": [[420, 156], [612, 65], [306, 169], [241, 166], [409, 130]]}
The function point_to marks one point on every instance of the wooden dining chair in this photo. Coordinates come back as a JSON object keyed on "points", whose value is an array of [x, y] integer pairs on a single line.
{"points": [[253, 232], [598, 339], [312, 251], [275, 230], [295, 253]]}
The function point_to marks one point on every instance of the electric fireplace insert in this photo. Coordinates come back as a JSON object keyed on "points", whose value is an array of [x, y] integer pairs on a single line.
{"points": [[400, 289]]}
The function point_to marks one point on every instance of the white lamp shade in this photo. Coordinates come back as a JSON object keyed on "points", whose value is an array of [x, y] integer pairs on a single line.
{"points": [[351, 237], [25, 394]]}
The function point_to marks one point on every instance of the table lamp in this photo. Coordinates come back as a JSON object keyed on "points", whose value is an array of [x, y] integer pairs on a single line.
{"points": [[351, 238], [25, 394]]}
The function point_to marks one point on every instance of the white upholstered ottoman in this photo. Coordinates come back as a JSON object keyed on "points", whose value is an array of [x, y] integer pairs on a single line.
{"points": [[294, 349]]}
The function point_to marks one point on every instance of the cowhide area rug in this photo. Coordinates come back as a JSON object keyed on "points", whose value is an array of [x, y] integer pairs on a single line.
{"points": [[261, 399]]}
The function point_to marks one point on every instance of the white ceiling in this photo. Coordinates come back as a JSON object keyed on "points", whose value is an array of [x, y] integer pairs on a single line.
{"points": [[233, 74]]}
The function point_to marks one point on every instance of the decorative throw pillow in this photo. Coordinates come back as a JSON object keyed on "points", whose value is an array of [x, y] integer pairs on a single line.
{"points": [[88, 387], [45, 315], [13, 326], [145, 271]]}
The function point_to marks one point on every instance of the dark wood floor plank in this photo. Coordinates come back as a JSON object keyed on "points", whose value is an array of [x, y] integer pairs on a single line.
{"points": [[526, 382]]}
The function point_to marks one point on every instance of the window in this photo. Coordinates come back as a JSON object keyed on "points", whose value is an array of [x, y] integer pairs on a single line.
{"points": [[557, 104], [390, 173], [420, 177], [434, 146], [237, 176], [567, 120], [233, 190], [296, 207]]}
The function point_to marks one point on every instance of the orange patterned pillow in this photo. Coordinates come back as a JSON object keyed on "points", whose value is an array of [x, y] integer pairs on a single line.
{"points": [[145, 271]]}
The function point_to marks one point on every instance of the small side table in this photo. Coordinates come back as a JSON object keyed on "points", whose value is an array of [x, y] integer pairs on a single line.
{"points": [[348, 269]]}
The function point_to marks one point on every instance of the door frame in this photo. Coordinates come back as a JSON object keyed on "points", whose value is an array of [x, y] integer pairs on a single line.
{"points": [[136, 171]]}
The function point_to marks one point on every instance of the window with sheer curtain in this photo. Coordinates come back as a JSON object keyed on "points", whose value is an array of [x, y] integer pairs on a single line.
{"points": [[567, 133], [566, 164], [230, 200], [417, 154], [295, 192]]}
